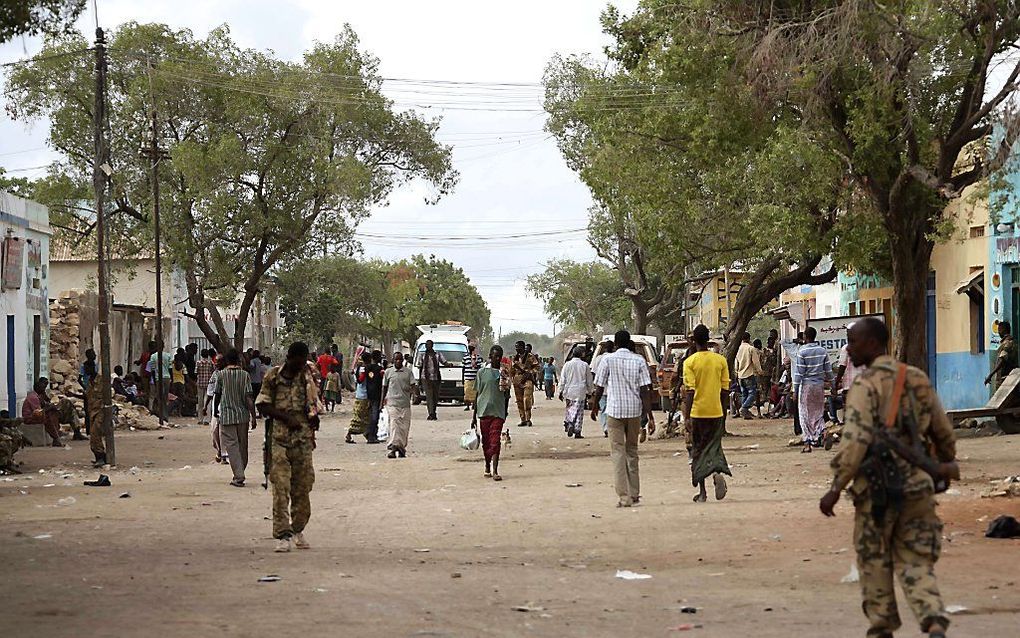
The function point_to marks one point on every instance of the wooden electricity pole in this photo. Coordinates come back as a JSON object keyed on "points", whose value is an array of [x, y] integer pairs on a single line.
{"points": [[100, 173], [155, 154]]}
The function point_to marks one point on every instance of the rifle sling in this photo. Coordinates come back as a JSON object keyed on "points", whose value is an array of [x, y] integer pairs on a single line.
{"points": [[892, 410]]}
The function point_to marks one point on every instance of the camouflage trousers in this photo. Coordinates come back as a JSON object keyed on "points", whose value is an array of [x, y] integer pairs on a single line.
{"points": [[94, 407], [908, 543], [292, 476]]}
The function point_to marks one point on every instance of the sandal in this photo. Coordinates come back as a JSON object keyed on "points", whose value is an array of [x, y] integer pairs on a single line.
{"points": [[487, 475], [720, 487], [497, 477], [806, 449], [698, 498]]}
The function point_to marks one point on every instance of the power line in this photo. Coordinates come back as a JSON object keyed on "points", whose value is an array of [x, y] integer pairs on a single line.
{"points": [[41, 58]]}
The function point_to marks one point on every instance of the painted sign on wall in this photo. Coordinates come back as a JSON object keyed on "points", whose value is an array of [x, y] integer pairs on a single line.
{"points": [[13, 263], [1007, 250], [832, 332]]}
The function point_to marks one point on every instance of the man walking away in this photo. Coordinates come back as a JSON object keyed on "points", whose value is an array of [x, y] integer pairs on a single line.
{"points": [[706, 381], [524, 371], [748, 364], [289, 396], [607, 348], [472, 363], [811, 369], [324, 362], [895, 524], [236, 412], [204, 370], [1006, 359], [490, 409], [549, 378], [431, 374], [575, 386], [374, 391], [625, 381], [397, 387]]}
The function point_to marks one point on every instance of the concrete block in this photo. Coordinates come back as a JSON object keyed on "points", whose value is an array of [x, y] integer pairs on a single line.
{"points": [[36, 434]]}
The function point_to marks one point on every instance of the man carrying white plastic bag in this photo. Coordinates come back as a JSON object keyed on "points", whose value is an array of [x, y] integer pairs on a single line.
{"points": [[398, 384]]}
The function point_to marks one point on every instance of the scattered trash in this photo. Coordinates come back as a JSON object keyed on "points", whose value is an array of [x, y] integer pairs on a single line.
{"points": [[42, 537], [573, 485], [750, 447], [320, 590], [1008, 487], [685, 627], [186, 467], [50, 485], [527, 608], [134, 469], [626, 574], [102, 481], [596, 516], [688, 610], [125, 495], [67, 500], [956, 609], [423, 550], [1003, 527], [272, 578], [455, 575], [853, 577], [952, 492], [775, 537]]}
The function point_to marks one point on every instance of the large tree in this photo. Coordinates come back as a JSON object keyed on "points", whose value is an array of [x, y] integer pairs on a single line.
{"points": [[266, 158], [901, 93], [34, 17], [690, 173], [583, 296]]}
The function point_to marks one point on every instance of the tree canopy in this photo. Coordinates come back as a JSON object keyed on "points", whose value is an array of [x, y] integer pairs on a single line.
{"points": [[585, 297], [35, 17], [327, 297], [267, 159]]}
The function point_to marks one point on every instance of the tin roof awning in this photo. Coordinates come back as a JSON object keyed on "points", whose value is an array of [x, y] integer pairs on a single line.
{"points": [[973, 285], [135, 307], [793, 312]]}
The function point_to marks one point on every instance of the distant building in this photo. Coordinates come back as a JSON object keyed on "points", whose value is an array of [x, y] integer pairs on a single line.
{"points": [[24, 291]]}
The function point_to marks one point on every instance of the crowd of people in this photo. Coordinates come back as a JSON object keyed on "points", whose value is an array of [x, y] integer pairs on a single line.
{"points": [[893, 494]]}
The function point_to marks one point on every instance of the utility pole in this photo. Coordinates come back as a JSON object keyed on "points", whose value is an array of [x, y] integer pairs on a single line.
{"points": [[155, 154], [100, 173]]}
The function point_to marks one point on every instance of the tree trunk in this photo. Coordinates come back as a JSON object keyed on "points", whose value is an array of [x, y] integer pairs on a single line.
{"points": [[217, 335], [639, 317], [910, 290]]}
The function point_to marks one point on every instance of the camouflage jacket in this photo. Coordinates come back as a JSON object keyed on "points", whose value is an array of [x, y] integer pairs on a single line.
{"points": [[524, 368], [291, 396], [866, 404]]}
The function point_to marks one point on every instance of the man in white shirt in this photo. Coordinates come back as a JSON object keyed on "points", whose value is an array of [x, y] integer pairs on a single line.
{"points": [[748, 365], [575, 386], [624, 380]]}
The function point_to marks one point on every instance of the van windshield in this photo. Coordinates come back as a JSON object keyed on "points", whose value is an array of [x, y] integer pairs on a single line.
{"points": [[454, 353]]}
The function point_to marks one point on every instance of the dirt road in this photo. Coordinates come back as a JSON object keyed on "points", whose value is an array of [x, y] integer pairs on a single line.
{"points": [[426, 547]]}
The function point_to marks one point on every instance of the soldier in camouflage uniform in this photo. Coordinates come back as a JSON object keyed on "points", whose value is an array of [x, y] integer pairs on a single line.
{"points": [[289, 397], [907, 538]]}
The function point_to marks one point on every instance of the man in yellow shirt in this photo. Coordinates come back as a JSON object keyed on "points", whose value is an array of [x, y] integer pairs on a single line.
{"points": [[706, 383]]}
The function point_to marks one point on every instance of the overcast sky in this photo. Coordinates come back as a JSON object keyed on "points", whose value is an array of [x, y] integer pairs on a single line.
{"points": [[510, 183]]}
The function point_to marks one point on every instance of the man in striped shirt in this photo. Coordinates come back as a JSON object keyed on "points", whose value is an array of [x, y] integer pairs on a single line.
{"points": [[811, 369], [472, 363], [236, 411]]}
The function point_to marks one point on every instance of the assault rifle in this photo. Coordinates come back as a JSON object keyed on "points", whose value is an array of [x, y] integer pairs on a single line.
{"points": [[916, 452]]}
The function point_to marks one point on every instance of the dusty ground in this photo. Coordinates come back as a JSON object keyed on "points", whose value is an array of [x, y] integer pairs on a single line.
{"points": [[182, 555]]}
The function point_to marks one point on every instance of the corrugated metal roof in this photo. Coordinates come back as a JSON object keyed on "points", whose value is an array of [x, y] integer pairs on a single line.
{"points": [[64, 249]]}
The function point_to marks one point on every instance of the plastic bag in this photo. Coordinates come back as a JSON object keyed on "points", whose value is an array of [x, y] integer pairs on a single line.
{"points": [[384, 424], [469, 440]]}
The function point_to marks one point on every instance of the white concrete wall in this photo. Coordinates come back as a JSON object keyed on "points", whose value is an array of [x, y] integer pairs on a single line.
{"points": [[29, 221]]}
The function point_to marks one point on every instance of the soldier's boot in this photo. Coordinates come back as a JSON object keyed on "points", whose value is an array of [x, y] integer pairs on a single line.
{"points": [[100, 459], [282, 545]]}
